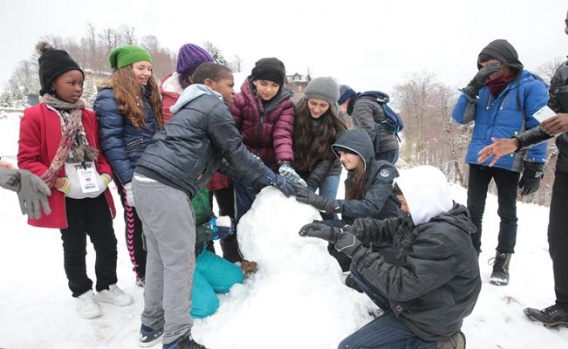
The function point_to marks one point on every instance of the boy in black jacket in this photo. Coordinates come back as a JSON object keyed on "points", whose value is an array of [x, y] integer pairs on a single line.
{"points": [[200, 139]]}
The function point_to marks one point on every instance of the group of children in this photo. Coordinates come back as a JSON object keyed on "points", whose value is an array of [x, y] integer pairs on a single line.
{"points": [[164, 142]]}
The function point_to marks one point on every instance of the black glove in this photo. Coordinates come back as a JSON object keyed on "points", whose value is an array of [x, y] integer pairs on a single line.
{"points": [[532, 175], [344, 241], [305, 195], [478, 81]]}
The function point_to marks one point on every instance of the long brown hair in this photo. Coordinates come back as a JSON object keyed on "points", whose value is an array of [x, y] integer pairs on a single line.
{"points": [[356, 182], [128, 94], [313, 138]]}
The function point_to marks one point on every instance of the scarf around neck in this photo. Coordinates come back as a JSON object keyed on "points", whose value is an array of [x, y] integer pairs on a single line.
{"points": [[73, 142]]}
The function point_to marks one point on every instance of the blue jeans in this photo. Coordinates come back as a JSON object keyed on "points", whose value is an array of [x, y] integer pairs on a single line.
{"points": [[212, 275], [328, 189], [385, 331]]}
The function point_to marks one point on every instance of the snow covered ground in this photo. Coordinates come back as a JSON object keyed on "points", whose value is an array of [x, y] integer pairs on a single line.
{"points": [[295, 300]]}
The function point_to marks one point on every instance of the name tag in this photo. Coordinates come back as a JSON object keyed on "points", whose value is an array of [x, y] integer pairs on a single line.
{"points": [[88, 180]]}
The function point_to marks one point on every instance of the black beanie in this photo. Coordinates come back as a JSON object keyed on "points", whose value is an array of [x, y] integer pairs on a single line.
{"points": [[501, 50], [52, 63], [271, 69]]}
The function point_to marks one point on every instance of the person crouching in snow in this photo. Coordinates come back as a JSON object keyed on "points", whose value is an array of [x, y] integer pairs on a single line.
{"points": [[213, 274], [435, 283]]}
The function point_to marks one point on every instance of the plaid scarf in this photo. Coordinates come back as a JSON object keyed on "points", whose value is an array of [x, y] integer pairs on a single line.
{"points": [[73, 144]]}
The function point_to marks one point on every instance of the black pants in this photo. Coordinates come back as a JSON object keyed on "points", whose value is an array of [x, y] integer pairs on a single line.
{"points": [[506, 182], [89, 217], [558, 237], [133, 233]]}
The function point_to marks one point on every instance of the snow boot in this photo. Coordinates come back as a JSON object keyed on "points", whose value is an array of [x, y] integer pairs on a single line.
{"points": [[500, 274], [552, 316]]}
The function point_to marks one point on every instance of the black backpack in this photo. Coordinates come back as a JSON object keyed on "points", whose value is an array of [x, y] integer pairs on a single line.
{"points": [[393, 122]]}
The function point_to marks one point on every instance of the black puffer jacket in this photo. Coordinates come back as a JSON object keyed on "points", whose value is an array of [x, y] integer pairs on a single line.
{"points": [[194, 142], [378, 201]]}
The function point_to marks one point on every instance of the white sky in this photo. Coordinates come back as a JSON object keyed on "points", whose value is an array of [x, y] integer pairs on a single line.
{"points": [[366, 44], [295, 300]]}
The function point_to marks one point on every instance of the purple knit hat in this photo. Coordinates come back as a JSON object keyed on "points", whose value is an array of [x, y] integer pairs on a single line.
{"points": [[189, 57]]}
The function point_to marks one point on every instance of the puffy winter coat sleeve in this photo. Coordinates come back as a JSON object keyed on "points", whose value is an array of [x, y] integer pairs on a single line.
{"points": [[377, 194], [363, 115], [112, 131], [282, 134], [430, 264], [226, 137], [236, 110], [464, 110]]}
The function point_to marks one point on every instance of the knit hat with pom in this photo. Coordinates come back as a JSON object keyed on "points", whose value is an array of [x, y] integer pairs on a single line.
{"points": [[126, 55], [322, 88], [52, 63]]}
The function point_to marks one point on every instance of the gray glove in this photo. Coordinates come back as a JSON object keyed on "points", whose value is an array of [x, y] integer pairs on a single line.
{"points": [[286, 171], [472, 89], [9, 179], [32, 191]]}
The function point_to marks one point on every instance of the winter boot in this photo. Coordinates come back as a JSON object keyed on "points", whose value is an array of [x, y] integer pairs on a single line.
{"points": [[500, 274], [550, 317]]}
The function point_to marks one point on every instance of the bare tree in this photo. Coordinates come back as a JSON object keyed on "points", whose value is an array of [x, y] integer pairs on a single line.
{"points": [[547, 70]]}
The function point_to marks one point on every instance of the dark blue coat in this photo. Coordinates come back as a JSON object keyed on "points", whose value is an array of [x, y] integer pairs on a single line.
{"points": [[121, 142]]}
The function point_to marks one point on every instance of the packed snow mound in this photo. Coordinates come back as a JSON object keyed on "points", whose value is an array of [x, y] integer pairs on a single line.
{"points": [[298, 288]]}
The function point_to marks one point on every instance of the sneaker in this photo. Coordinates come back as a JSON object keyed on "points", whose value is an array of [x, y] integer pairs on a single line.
{"points": [[184, 342], [88, 306], [149, 337], [500, 274], [550, 317], [115, 296]]}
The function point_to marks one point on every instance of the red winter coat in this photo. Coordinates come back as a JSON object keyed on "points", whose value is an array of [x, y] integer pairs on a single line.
{"points": [[170, 90], [269, 136], [40, 134]]}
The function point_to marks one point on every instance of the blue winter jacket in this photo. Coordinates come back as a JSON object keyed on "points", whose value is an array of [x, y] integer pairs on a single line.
{"points": [[504, 117], [121, 142]]}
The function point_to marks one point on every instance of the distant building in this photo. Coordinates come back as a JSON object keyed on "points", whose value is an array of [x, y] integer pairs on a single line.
{"points": [[298, 83]]}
